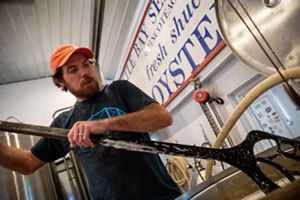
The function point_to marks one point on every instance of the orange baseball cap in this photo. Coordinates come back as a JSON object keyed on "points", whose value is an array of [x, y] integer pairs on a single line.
{"points": [[61, 55]]}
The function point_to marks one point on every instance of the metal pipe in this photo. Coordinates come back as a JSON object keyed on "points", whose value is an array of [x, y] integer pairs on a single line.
{"points": [[28, 129], [71, 178], [79, 176]]}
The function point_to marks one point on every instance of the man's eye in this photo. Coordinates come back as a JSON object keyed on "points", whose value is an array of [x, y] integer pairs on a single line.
{"points": [[72, 70], [87, 64]]}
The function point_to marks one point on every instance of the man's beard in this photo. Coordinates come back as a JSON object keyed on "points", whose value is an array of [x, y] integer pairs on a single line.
{"points": [[89, 87]]}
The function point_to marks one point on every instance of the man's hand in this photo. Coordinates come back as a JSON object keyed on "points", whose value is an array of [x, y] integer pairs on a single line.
{"points": [[79, 135]]}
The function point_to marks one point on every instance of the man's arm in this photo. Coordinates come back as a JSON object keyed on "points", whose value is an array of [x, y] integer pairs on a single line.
{"points": [[19, 160], [150, 118]]}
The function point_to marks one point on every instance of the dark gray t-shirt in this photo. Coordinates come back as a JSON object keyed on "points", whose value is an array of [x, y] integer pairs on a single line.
{"points": [[111, 173]]}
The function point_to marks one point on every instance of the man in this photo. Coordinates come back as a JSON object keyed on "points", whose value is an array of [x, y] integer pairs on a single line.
{"points": [[119, 110]]}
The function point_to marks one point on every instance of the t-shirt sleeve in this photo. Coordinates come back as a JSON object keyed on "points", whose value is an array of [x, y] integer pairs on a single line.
{"points": [[48, 149], [134, 97]]}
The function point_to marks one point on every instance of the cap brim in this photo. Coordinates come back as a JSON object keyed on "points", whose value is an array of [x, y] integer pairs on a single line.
{"points": [[85, 51]]}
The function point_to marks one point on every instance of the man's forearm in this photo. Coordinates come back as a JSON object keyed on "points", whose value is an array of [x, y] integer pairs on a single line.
{"points": [[18, 160], [151, 118]]}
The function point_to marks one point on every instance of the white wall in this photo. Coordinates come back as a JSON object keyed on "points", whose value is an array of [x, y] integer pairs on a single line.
{"points": [[33, 102]]}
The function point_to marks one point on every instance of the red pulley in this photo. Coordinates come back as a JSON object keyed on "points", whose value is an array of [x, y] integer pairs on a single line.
{"points": [[201, 96]]}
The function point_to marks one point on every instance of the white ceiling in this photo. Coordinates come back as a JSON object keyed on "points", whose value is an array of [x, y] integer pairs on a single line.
{"points": [[31, 29]]}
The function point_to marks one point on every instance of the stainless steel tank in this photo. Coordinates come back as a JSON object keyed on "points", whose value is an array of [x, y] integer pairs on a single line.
{"points": [[264, 34], [14, 186], [262, 31]]}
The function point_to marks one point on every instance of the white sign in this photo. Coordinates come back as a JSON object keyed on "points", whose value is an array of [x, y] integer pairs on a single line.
{"points": [[175, 41]]}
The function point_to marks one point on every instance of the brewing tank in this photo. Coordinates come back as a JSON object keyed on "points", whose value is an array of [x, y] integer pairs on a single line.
{"points": [[14, 186]]}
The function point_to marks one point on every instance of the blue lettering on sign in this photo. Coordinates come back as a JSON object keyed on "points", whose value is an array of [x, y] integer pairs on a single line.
{"points": [[177, 72], [155, 9], [187, 54], [130, 65], [161, 55], [202, 39], [161, 22], [173, 77], [141, 40], [180, 23]]}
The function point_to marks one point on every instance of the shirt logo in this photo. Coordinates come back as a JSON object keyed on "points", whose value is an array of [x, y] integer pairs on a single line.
{"points": [[107, 112]]}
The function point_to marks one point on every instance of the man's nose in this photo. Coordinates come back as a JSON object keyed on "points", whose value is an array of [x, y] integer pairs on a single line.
{"points": [[83, 71]]}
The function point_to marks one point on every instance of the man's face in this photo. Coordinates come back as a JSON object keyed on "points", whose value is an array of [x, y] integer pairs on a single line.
{"points": [[80, 77]]}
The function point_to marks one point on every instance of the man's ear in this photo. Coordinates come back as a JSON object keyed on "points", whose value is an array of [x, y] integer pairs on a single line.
{"points": [[59, 82]]}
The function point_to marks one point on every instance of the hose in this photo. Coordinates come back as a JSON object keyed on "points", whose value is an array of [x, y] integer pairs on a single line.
{"points": [[199, 168], [271, 81], [178, 170]]}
